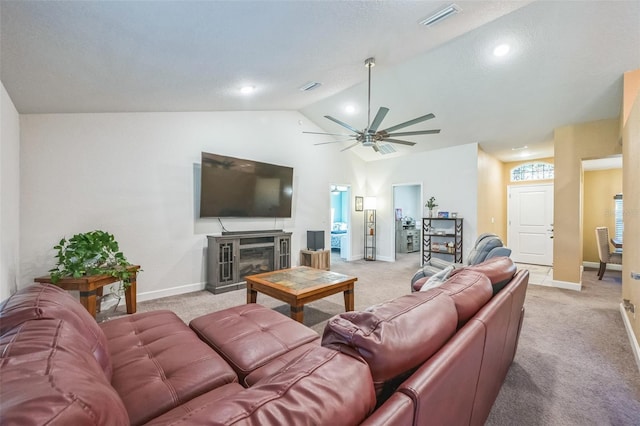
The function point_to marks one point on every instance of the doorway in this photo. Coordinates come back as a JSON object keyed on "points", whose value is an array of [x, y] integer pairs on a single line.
{"points": [[340, 222], [407, 213], [530, 223]]}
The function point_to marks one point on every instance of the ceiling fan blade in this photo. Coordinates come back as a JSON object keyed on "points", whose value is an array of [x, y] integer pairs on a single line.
{"points": [[382, 112], [345, 125], [408, 123], [349, 147], [330, 134], [399, 142], [325, 143], [419, 132]]}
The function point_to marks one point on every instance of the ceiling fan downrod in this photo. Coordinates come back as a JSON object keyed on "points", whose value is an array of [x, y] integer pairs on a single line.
{"points": [[369, 63]]}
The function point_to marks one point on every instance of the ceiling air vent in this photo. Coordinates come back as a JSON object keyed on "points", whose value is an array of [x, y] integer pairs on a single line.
{"points": [[441, 15], [310, 86], [385, 148]]}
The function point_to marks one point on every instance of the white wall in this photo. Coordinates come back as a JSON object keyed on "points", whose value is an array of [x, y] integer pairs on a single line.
{"points": [[9, 194], [450, 175], [132, 174]]}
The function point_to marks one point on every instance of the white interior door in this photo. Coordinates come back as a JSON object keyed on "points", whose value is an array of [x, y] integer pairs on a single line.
{"points": [[530, 223]]}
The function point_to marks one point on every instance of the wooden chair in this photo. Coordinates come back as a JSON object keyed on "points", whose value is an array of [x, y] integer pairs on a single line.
{"points": [[605, 254]]}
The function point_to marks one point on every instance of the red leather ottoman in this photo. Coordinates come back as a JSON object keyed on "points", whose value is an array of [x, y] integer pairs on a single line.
{"points": [[250, 336]]}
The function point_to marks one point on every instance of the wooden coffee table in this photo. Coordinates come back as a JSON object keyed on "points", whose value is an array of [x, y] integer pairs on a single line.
{"points": [[299, 286]]}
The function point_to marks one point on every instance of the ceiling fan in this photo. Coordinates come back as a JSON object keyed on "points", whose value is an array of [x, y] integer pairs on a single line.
{"points": [[373, 137]]}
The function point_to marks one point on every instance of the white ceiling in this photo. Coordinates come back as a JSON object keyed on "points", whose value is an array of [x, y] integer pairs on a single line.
{"points": [[565, 65]]}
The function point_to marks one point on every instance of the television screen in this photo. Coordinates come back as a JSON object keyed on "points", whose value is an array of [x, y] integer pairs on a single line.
{"points": [[235, 187]]}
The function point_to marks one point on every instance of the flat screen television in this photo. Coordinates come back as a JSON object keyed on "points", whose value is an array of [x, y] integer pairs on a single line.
{"points": [[235, 187]]}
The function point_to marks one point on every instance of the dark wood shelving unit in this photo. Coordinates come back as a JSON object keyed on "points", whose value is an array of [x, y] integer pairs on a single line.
{"points": [[442, 236]]}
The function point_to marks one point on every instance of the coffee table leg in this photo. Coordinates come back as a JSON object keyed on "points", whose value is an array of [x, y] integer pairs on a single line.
{"points": [[252, 295], [348, 300], [297, 313]]}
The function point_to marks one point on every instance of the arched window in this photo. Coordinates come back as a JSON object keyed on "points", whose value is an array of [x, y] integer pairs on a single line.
{"points": [[532, 171]]}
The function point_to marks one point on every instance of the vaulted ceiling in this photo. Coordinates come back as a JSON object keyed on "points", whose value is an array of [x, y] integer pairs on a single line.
{"points": [[564, 66]]}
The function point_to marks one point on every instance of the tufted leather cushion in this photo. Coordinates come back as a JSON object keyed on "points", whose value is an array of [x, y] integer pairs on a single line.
{"points": [[323, 387], [47, 301], [48, 376], [159, 363], [500, 270], [396, 336], [249, 336], [470, 291]]}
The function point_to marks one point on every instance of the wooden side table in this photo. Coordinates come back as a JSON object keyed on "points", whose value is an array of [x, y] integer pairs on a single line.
{"points": [[90, 286], [320, 259]]}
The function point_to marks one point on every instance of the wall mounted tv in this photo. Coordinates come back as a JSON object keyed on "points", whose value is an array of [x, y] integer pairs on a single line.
{"points": [[235, 187]]}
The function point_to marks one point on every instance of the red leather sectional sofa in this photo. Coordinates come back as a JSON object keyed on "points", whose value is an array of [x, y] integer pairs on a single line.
{"points": [[434, 357]]}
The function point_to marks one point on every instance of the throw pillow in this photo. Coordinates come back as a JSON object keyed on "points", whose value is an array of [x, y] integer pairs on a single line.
{"points": [[438, 279]]}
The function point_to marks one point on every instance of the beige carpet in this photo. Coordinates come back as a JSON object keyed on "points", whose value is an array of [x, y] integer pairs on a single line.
{"points": [[574, 364]]}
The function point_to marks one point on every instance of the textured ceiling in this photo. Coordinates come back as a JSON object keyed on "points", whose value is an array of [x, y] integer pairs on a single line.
{"points": [[565, 67]]}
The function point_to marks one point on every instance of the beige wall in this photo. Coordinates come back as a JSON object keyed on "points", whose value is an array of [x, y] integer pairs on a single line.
{"points": [[491, 196], [598, 207], [506, 176], [631, 215], [572, 144]]}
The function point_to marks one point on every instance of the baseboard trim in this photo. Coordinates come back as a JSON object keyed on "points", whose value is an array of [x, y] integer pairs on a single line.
{"points": [[596, 265], [635, 347], [172, 291], [567, 285]]}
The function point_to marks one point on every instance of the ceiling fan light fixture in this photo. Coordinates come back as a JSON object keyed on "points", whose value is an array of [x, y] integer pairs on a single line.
{"points": [[441, 15], [367, 141]]}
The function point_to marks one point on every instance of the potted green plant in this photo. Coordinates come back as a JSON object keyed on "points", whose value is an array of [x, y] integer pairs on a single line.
{"points": [[431, 204], [90, 253]]}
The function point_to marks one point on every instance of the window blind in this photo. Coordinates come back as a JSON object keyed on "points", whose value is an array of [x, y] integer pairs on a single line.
{"points": [[617, 201]]}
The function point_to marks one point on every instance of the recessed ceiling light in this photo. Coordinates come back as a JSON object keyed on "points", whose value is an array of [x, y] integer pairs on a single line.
{"points": [[519, 148], [350, 109], [501, 50], [245, 90]]}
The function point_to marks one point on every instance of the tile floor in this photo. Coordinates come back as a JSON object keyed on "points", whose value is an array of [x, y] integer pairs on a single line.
{"points": [[538, 274]]}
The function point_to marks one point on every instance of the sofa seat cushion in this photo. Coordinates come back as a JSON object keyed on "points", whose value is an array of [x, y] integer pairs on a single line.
{"points": [[323, 387], [470, 291], [159, 363], [47, 301], [396, 336], [249, 336], [500, 270], [48, 376], [195, 404]]}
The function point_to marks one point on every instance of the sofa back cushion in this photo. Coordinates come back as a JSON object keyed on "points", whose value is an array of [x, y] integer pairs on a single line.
{"points": [[483, 245], [47, 376], [500, 270], [396, 336], [470, 291], [47, 301]]}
